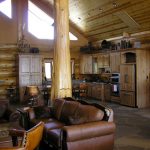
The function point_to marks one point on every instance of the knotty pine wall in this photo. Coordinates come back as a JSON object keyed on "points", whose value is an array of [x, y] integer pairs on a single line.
{"points": [[9, 35], [8, 69]]}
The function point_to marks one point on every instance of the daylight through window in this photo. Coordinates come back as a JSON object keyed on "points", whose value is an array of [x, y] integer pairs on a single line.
{"points": [[40, 24], [5, 8]]}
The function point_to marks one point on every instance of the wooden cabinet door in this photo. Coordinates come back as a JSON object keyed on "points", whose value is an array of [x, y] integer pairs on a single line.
{"points": [[128, 98], [82, 64], [36, 65], [100, 61], [127, 77], [106, 60], [103, 60], [86, 64], [115, 62], [88, 68], [36, 79], [89, 91], [94, 91], [98, 92], [24, 64], [94, 64], [107, 92]]}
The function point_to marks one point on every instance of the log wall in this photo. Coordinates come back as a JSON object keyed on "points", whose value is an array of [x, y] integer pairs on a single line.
{"points": [[8, 67], [8, 73]]}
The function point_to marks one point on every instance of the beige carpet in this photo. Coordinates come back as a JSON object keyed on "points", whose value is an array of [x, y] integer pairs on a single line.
{"points": [[133, 127]]}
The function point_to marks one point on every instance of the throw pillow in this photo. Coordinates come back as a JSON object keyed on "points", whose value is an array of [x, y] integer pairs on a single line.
{"points": [[85, 114]]}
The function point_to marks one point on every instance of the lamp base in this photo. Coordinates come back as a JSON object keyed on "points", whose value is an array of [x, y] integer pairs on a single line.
{"points": [[33, 102]]}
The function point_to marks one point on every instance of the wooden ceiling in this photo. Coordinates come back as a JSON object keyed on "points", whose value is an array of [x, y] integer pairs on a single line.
{"points": [[104, 19]]}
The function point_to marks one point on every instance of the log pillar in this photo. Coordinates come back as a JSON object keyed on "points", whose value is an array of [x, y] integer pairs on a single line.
{"points": [[61, 77]]}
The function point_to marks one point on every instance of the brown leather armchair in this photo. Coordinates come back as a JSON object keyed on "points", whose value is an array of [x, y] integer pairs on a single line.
{"points": [[28, 142]]}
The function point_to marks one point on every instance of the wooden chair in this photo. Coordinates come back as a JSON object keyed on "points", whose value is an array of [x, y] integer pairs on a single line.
{"points": [[83, 90], [31, 138]]}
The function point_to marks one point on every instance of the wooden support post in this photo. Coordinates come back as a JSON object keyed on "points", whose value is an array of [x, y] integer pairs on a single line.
{"points": [[61, 79]]}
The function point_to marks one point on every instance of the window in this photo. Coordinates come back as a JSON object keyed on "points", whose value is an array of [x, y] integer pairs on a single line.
{"points": [[48, 69], [40, 24], [5, 8]]}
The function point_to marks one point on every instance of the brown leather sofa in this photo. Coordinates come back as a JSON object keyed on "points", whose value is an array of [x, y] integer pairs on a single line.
{"points": [[75, 125]]}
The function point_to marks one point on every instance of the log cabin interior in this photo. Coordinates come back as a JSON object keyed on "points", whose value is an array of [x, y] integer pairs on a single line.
{"points": [[93, 51]]}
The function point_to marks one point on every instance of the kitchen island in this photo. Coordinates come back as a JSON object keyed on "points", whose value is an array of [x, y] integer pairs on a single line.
{"points": [[97, 90]]}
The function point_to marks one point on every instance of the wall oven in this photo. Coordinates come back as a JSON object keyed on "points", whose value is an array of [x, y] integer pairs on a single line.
{"points": [[115, 84]]}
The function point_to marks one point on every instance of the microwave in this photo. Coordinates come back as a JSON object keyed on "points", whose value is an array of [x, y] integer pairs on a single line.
{"points": [[115, 78]]}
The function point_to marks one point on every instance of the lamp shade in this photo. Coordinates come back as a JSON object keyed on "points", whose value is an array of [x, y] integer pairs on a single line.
{"points": [[32, 90]]}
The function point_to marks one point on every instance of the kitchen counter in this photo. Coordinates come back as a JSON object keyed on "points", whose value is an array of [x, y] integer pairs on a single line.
{"points": [[97, 90], [83, 81]]}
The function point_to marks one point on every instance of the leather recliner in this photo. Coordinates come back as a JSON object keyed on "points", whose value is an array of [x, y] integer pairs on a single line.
{"points": [[75, 125], [6, 114]]}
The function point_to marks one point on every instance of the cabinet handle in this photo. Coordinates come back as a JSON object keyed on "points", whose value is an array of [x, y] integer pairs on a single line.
{"points": [[126, 78], [127, 94]]}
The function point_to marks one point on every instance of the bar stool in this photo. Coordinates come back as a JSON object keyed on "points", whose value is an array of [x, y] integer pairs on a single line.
{"points": [[83, 90], [76, 91]]}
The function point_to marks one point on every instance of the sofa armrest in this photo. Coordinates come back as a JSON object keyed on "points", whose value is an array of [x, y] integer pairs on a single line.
{"points": [[12, 115], [15, 116], [39, 112], [88, 130]]}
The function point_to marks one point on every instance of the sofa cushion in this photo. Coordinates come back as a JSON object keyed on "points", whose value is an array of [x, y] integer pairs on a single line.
{"points": [[57, 107], [42, 112], [55, 124], [68, 110], [85, 114]]}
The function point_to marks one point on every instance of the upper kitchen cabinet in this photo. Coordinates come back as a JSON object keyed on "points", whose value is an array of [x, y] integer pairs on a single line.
{"points": [[115, 62], [86, 64], [128, 57], [95, 64], [30, 71], [103, 60]]}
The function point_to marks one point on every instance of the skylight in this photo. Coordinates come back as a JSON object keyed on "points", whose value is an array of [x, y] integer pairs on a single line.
{"points": [[5, 8], [40, 24]]}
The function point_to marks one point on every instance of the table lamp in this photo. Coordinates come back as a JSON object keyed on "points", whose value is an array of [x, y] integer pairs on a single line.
{"points": [[32, 92]]}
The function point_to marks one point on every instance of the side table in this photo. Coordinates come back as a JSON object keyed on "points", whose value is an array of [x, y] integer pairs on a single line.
{"points": [[7, 139]]}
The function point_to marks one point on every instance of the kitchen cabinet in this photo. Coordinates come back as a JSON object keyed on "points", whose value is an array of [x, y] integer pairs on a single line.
{"points": [[89, 90], [115, 62], [127, 77], [94, 64], [127, 84], [128, 98], [134, 78], [107, 92], [103, 60], [86, 64], [96, 90], [29, 71]]}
